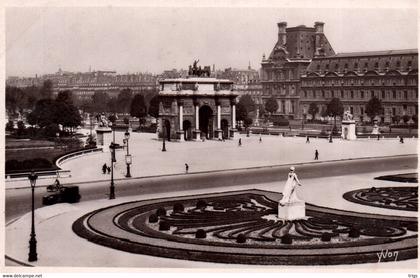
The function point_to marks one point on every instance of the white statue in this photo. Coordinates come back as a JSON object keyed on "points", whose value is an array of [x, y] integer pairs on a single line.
{"points": [[103, 121], [289, 191], [347, 116]]}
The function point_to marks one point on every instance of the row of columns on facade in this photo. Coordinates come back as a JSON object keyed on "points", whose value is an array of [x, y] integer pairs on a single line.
{"points": [[197, 132]]}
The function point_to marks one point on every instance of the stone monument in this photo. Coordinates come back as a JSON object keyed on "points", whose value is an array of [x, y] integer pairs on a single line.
{"points": [[375, 129], [348, 127], [290, 206], [103, 133]]}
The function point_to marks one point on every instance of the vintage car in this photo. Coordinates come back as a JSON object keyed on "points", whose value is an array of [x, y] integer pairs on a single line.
{"points": [[66, 194]]}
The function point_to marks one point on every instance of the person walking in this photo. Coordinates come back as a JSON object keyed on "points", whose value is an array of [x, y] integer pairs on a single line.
{"points": [[316, 154], [104, 167], [108, 169], [307, 139], [401, 140], [260, 139], [240, 142], [186, 168]]}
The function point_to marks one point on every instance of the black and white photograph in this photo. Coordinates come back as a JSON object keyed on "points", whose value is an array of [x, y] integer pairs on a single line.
{"points": [[210, 135]]}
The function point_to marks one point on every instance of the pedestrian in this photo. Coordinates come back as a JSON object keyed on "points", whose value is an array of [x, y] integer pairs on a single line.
{"points": [[104, 167], [108, 169], [378, 136], [307, 139], [316, 154], [240, 142], [186, 168], [401, 140], [260, 139]]}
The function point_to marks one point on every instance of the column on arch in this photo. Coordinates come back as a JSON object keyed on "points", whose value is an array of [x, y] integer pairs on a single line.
{"points": [[197, 120], [181, 119], [219, 119], [233, 114]]}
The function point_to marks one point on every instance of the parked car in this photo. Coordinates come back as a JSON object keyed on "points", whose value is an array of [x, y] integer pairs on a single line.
{"points": [[67, 194]]}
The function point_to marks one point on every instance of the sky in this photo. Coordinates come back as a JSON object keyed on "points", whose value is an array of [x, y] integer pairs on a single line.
{"points": [[42, 39]]}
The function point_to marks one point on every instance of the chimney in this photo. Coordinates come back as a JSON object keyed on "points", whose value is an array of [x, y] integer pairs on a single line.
{"points": [[282, 33], [319, 27], [319, 39]]}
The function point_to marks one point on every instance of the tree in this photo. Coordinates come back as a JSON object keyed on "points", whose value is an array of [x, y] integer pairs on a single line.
{"points": [[248, 103], [46, 90], [100, 102], [154, 106], [396, 119], [271, 105], [373, 108], [406, 118], [415, 118], [43, 114], [112, 118], [20, 128], [313, 110], [49, 112], [138, 108], [112, 105], [65, 97], [124, 100], [10, 126], [335, 108]]}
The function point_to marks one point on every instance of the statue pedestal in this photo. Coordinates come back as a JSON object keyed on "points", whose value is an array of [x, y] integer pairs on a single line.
{"points": [[348, 130], [292, 211], [104, 137]]}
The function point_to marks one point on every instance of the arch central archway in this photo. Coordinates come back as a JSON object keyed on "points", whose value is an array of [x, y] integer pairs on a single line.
{"points": [[206, 121]]}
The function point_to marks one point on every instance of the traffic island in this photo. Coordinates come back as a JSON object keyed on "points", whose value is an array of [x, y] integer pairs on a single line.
{"points": [[239, 227]]}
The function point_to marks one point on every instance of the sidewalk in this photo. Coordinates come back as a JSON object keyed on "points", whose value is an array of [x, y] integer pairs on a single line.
{"points": [[149, 160], [54, 233]]}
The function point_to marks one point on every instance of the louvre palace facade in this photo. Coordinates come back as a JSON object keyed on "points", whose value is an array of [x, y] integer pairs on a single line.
{"points": [[303, 68]]}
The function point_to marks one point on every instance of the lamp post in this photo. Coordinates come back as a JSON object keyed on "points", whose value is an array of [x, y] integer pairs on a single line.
{"points": [[112, 187], [163, 135], [32, 241], [128, 155]]}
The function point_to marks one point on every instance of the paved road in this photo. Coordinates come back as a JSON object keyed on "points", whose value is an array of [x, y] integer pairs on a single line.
{"points": [[18, 200]]}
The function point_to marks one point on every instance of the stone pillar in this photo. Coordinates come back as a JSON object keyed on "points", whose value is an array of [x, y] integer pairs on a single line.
{"points": [[233, 130], [197, 131], [180, 132], [219, 133]]}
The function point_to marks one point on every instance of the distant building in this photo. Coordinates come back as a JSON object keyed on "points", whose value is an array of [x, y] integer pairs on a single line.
{"points": [[84, 85], [303, 68], [354, 78], [246, 82]]}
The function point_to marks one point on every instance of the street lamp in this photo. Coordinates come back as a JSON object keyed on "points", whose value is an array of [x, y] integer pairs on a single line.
{"points": [[128, 155], [32, 241], [112, 187], [163, 135]]}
